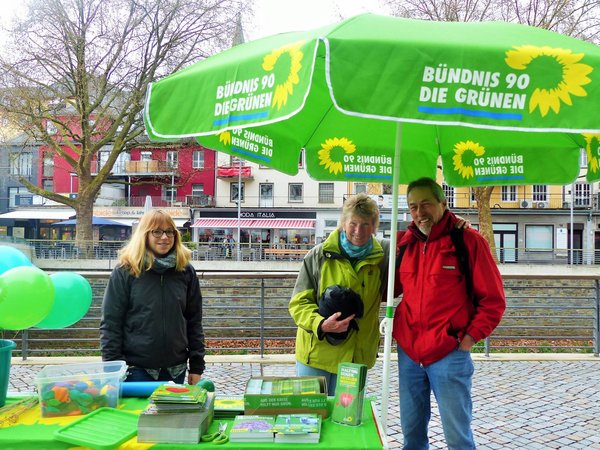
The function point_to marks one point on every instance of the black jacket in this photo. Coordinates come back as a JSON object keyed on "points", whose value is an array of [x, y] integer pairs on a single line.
{"points": [[154, 321]]}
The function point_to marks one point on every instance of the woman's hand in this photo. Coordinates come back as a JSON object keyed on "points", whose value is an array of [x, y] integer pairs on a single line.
{"points": [[333, 325], [194, 378]]}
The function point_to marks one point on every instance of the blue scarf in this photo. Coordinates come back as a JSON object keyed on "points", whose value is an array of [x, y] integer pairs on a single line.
{"points": [[355, 251]]}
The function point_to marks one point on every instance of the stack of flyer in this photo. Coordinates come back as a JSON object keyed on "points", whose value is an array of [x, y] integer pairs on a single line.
{"points": [[252, 428], [349, 393], [176, 414], [228, 406], [298, 428]]}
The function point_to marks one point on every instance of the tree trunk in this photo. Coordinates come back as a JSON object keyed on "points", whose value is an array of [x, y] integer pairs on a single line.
{"points": [[483, 196]]}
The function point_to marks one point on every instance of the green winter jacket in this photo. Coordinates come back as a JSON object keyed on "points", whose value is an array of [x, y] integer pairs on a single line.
{"points": [[324, 266]]}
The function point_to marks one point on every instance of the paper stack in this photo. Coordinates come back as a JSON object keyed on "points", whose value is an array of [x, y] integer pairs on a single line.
{"points": [[254, 428], [176, 414], [298, 428]]}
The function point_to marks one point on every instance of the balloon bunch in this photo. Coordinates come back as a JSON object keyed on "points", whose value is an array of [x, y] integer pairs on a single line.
{"points": [[29, 297]]}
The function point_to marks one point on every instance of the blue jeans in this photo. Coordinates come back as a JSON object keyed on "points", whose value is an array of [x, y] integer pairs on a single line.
{"points": [[450, 379], [139, 374], [302, 370]]}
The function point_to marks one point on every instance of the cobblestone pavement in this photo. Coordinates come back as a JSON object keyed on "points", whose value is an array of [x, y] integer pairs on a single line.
{"points": [[532, 405]]}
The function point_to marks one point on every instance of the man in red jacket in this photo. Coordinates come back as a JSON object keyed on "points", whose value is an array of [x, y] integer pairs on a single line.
{"points": [[438, 321]]}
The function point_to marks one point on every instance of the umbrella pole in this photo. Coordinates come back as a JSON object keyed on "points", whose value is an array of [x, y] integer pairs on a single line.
{"points": [[387, 322]]}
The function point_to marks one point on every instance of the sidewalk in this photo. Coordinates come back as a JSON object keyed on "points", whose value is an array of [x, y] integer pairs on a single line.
{"points": [[532, 402]]}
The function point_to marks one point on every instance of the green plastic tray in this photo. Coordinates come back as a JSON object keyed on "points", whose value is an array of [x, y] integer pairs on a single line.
{"points": [[102, 429]]}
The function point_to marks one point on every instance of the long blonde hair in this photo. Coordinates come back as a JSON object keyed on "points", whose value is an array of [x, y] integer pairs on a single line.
{"points": [[137, 257]]}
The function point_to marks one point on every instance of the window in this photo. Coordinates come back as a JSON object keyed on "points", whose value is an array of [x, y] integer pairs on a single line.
{"points": [[233, 192], [386, 188], [198, 159], [325, 192], [51, 128], [48, 166], [472, 194], [539, 238], [449, 193], [360, 188], [20, 164], [540, 192], [198, 189], [583, 161], [509, 193], [146, 156], [48, 185], [295, 192], [581, 195], [235, 161], [169, 193], [266, 195], [172, 160]]}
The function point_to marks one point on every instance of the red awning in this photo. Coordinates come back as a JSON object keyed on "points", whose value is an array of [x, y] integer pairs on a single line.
{"points": [[221, 223], [284, 224]]}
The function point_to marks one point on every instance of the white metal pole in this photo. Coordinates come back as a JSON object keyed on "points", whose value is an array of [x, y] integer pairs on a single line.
{"points": [[239, 207], [387, 322]]}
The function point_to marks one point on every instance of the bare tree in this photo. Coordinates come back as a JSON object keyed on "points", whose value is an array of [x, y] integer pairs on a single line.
{"points": [[577, 18], [77, 73]]}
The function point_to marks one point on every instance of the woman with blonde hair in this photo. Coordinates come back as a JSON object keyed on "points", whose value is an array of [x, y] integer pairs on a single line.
{"points": [[152, 307]]}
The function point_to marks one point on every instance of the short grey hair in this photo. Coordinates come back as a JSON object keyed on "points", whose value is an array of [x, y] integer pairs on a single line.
{"points": [[360, 205]]}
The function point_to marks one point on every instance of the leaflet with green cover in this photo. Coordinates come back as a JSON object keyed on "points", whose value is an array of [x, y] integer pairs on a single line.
{"points": [[349, 393], [298, 428]]}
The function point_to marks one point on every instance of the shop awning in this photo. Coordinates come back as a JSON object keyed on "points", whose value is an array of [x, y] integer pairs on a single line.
{"points": [[284, 224], [41, 213], [280, 224], [221, 223]]}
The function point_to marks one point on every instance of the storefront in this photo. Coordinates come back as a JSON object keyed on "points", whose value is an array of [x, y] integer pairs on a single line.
{"points": [[256, 226]]}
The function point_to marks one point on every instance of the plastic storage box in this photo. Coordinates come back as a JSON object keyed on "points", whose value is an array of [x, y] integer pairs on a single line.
{"points": [[73, 389]]}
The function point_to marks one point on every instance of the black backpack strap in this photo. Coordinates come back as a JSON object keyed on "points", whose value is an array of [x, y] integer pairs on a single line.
{"points": [[458, 239]]}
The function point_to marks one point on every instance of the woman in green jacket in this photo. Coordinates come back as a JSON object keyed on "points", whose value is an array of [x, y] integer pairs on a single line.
{"points": [[353, 258]]}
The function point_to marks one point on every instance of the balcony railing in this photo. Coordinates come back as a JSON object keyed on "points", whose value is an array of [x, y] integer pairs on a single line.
{"points": [[233, 171]]}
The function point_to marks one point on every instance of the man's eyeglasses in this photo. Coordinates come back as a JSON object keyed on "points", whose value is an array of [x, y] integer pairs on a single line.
{"points": [[159, 233]]}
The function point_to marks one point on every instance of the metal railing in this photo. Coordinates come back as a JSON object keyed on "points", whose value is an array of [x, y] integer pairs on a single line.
{"points": [[218, 251], [246, 313]]}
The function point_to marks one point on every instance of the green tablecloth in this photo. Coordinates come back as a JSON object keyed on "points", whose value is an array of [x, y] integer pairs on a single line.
{"points": [[31, 431]]}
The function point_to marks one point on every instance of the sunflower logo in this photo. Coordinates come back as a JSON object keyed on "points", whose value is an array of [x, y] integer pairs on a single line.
{"points": [[332, 153], [463, 150], [225, 137], [571, 75], [592, 144], [294, 57]]}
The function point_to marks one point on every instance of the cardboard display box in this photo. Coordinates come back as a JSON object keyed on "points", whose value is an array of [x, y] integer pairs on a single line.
{"points": [[263, 396]]}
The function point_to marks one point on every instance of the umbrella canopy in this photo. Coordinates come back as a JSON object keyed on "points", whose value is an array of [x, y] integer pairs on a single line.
{"points": [[96, 221], [339, 92], [381, 99]]}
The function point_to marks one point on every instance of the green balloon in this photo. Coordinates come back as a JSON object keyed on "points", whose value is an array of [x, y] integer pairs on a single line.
{"points": [[72, 299], [26, 297]]}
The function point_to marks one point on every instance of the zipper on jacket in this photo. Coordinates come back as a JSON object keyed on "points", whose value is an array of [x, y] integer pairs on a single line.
{"points": [[162, 296]]}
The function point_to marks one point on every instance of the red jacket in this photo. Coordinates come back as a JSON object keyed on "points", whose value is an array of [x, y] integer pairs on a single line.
{"points": [[435, 311]]}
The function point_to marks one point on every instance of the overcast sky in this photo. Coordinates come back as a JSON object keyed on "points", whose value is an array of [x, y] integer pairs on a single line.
{"points": [[278, 16]]}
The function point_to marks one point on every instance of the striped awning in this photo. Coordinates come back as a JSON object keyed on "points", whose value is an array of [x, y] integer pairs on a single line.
{"points": [[221, 223], [280, 224], [284, 224]]}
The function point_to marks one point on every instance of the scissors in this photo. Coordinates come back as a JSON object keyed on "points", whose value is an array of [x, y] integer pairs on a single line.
{"points": [[217, 438]]}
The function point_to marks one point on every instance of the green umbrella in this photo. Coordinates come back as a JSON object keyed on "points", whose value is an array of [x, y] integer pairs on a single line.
{"points": [[381, 99]]}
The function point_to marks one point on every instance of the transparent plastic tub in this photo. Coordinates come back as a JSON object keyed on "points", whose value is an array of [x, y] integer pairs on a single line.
{"points": [[74, 389]]}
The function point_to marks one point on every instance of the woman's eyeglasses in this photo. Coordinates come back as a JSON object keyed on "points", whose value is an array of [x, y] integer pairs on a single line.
{"points": [[159, 233]]}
